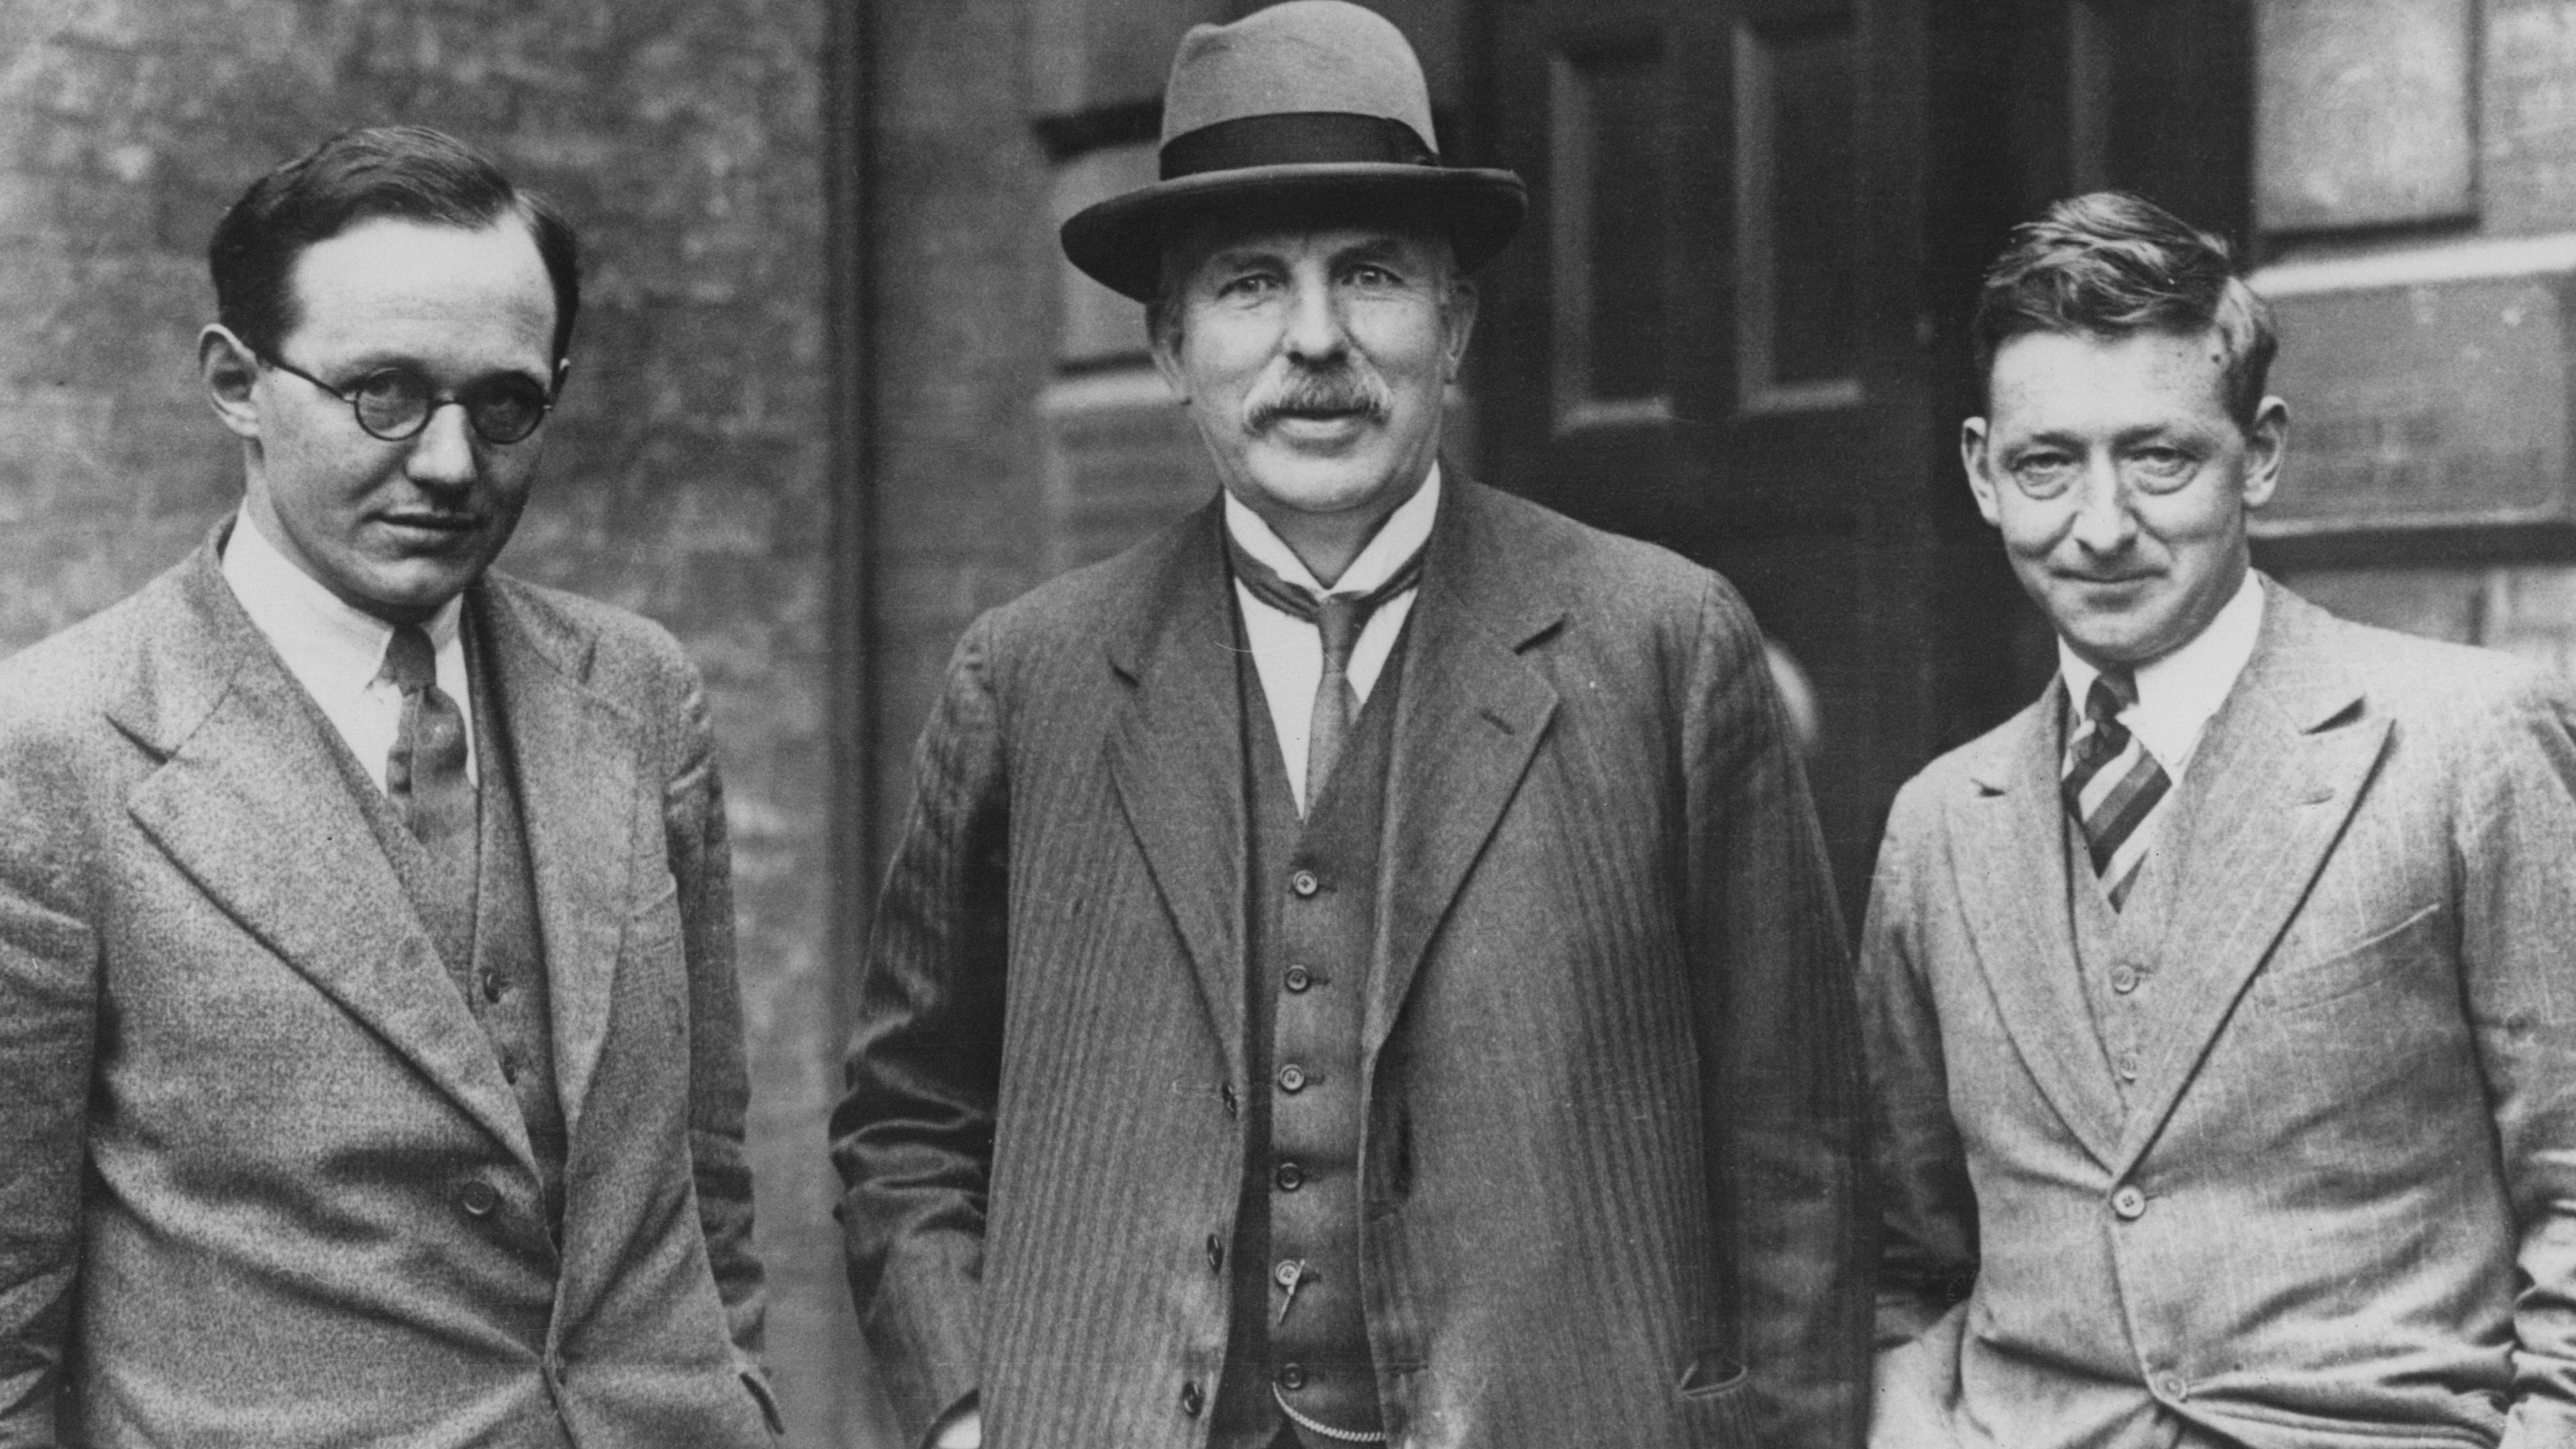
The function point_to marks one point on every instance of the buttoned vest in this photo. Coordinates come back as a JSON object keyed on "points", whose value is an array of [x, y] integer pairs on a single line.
{"points": [[1311, 918], [487, 933]]}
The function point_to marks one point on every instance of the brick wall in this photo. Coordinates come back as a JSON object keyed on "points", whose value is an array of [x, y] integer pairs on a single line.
{"points": [[687, 473], [2525, 602]]}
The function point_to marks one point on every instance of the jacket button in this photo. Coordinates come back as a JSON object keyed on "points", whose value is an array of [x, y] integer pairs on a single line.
{"points": [[477, 1198], [2130, 1204], [1215, 1253], [2124, 979], [1304, 883], [1292, 1078], [2174, 1387], [1299, 978], [1290, 1177], [1191, 1399], [1292, 1377]]}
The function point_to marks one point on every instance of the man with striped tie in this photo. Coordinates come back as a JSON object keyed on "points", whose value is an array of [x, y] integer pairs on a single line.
{"points": [[1361, 968], [2222, 1037]]}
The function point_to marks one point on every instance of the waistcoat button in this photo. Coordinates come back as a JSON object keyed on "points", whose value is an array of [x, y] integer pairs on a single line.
{"points": [[1290, 1177], [1191, 1399], [1215, 1253], [2124, 979], [1292, 1377], [1292, 1078], [1299, 978], [1304, 883], [2128, 1202], [477, 1198]]}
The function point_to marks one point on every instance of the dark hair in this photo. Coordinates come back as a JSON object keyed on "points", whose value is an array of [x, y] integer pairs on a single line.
{"points": [[406, 172], [2111, 264]]}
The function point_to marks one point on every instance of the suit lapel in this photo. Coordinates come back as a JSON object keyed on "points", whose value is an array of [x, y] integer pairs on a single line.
{"points": [[575, 756], [1470, 716], [2008, 853], [2294, 752], [1176, 761], [250, 804]]}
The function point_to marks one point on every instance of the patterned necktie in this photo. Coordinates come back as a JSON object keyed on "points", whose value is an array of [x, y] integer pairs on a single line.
{"points": [[2111, 783], [425, 775], [1339, 618]]}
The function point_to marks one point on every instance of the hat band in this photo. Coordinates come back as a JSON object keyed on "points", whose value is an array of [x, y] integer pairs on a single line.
{"points": [[1294, 138]]}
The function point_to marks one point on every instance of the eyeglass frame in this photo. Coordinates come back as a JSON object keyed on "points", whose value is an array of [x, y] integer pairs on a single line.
{"points": [[437, 400]]}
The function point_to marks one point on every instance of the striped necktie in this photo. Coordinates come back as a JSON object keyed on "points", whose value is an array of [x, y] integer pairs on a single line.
{"points": [[1339, 618], [2112, 784]]}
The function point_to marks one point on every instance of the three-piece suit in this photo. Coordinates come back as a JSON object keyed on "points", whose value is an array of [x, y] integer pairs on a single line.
{"points": [[2326, 1195], [1607, 1155], [269, 1181]]}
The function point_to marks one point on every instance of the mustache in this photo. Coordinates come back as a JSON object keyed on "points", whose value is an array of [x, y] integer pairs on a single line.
{"points": [[1351, 388]]}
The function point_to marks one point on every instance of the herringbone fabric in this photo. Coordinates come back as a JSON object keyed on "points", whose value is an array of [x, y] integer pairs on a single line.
{"points": [[267, 1179], [2112, 783]]}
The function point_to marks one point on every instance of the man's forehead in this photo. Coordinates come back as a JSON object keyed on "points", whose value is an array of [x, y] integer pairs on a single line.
{"points": [[1245, 239]]}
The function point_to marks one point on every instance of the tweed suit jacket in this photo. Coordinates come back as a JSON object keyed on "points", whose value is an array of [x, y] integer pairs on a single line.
{"points": [[1610, 1146], [266, 1184], [2339, 1208]]}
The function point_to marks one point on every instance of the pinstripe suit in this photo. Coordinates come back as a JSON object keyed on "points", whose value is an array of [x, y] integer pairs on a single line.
{"points": [[1608, 1169], [2339, 1204]]}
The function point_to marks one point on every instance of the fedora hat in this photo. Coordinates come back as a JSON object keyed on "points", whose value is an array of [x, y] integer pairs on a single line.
{"points": [[1312, 102]]}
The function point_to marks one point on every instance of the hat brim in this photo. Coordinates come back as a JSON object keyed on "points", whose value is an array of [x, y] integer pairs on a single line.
{"points": [[1119, 242]]}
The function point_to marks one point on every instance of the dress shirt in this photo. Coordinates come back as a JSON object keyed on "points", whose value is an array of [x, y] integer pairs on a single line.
{"points": [[336, 651], [1289, 651], [2179, 693]]}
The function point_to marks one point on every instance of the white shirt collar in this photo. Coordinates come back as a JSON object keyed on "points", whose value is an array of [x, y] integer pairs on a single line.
{"points": [[1397, 540], [318, 633], [2178, 693]]}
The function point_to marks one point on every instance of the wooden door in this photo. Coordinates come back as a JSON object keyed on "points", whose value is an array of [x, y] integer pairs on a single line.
{"points": [[1714, 334]]}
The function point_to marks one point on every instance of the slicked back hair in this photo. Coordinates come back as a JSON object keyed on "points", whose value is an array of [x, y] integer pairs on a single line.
{"points": [[409, 173], [2109, 264]]}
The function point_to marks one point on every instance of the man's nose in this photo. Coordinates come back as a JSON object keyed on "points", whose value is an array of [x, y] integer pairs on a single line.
{"points": [[2103, 522], [1315, 330], [443, 455]]}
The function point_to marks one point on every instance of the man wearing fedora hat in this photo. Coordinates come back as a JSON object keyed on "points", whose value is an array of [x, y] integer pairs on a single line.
{"points": [[1361, 966]]}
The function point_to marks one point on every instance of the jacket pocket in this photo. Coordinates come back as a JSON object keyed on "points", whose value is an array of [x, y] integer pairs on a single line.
{"points": [[2323, 976], [1717, 1408]]}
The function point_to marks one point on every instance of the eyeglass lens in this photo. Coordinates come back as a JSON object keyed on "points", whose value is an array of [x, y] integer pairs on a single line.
{"points": [[394, 403]]}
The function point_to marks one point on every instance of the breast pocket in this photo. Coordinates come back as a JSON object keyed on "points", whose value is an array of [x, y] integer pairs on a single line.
{"points": [[2312, 978]]}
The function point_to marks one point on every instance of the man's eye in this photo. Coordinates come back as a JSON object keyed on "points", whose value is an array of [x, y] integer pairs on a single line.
{"points": [[2161, 470], [1373, 277], [1252, 285], [2043, 475], [390, 385]]}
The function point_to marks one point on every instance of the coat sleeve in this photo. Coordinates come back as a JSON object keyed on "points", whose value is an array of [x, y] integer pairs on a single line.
{"points": [[701, 864], [913, 1133], [1777, 1033], [49, 983], [1927, 1212], [2514, 842]]}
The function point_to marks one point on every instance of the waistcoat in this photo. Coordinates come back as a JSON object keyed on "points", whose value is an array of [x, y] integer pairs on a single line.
{"points": [[1311, 918], [485, 927]]}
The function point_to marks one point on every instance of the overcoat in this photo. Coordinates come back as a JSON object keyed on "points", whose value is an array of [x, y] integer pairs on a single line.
{"points": [[1609, 1161], [2338, 1206], [265, 1183]]}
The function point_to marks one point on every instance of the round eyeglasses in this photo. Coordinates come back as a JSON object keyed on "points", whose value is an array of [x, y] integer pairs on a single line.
{"points": [[395, 403]]}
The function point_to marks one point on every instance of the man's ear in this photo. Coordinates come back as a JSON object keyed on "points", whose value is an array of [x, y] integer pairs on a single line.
{"points": [[1164, 334], [229, 369], [1972, 456], [1458, 323], [2267, 443]]}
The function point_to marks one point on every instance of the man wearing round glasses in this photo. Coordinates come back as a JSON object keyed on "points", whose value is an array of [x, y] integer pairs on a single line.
{"points": [[370, 1058]]}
